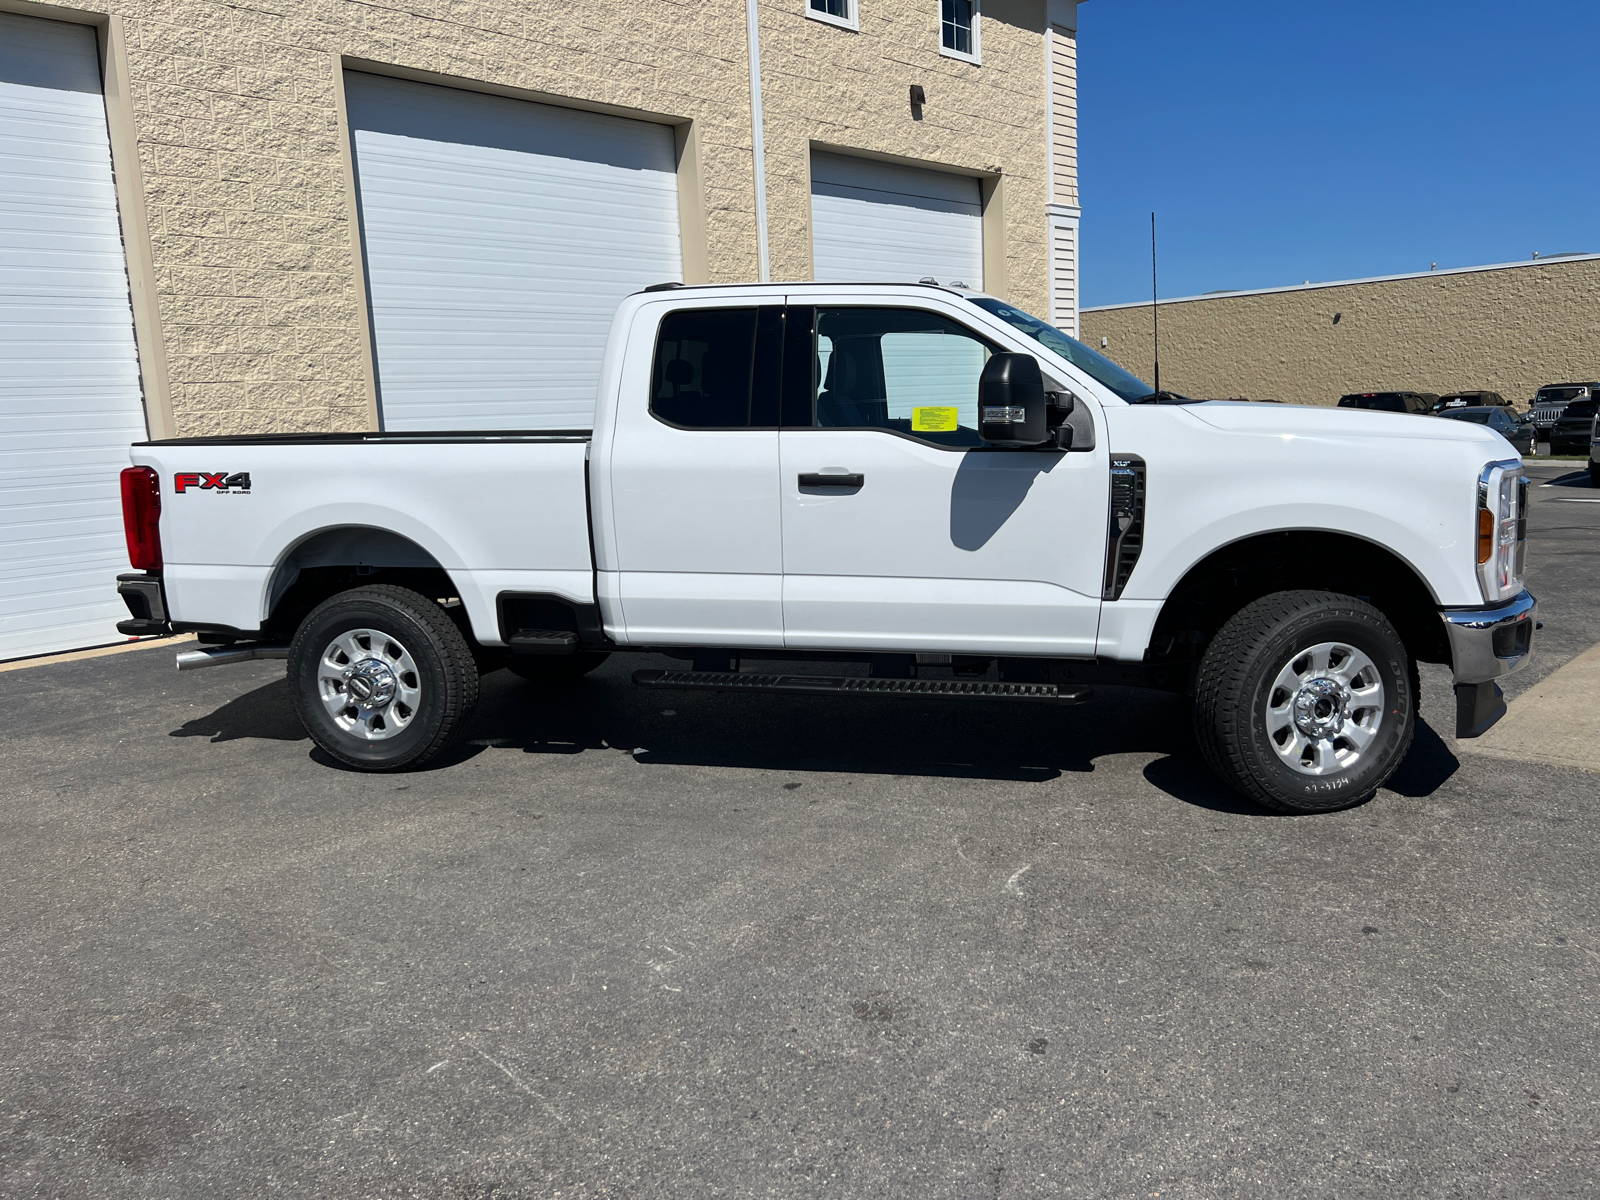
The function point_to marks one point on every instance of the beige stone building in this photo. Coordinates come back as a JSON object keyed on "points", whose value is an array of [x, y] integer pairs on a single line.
{"points": [[325, 215], [1509, 329]]}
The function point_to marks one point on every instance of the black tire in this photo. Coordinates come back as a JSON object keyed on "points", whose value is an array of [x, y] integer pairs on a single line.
{"points": [[1240, 676], [554, 670], [1594, 474], [440, 671]]}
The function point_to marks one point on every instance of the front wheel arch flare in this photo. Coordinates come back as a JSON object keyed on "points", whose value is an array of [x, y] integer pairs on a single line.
{"points": [[1235, 575]]}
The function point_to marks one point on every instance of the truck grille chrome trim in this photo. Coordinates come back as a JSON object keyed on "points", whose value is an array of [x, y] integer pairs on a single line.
{"points": [[838, 685]]}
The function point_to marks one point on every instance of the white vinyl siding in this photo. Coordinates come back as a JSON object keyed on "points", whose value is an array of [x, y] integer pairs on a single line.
{"points": [[500, 236], [70, 401], [876, 222], [1064, 276], [1063, 115]]}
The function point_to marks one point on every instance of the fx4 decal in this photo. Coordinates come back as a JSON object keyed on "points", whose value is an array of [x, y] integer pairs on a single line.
{"points": [[216, 481]]}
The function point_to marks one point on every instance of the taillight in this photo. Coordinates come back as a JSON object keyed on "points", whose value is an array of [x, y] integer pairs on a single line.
{"points": [[141, 517]]}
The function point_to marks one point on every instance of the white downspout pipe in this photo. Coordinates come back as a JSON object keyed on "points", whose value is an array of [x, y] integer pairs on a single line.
{"points": [[758, 140]]}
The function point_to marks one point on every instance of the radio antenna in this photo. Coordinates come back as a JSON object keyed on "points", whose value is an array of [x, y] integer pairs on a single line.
{"points": [[1155, 312]]}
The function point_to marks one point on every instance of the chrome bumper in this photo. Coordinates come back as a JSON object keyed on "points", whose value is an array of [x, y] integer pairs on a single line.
{"points": [[1485, 644]]}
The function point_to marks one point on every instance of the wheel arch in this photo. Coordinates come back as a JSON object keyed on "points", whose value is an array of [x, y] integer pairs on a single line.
{"points": [[1239, 572], [335, 558]]}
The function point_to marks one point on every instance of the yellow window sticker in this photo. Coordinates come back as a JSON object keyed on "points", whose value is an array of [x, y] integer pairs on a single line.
{"points": [[933, 420]]}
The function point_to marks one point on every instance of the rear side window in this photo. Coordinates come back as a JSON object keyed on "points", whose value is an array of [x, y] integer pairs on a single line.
{"points": [[718, 368]]}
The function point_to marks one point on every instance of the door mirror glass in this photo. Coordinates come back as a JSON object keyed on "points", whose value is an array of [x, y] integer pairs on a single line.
{"points": [[1011, 401]]}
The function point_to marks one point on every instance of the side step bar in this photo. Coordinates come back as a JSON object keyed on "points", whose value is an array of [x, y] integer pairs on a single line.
{"points": [[219, 656], [839, 685]]}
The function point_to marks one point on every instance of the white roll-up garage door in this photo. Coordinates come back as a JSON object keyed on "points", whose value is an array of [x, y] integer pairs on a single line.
{"points": [[500, 236], [881, 222], [69, 376]]}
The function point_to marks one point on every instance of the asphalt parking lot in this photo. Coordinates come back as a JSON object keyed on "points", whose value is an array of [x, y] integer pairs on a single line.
{"points": [[634, 944]]}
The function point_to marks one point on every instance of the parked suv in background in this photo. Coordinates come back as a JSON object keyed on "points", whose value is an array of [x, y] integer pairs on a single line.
{"points": [[1471, 400], [1400, 402], [1573, 433], [1500, 420], [1553, 399]]}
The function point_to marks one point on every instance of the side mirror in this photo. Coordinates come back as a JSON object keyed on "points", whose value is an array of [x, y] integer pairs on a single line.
{"points": [[1011, 402]]}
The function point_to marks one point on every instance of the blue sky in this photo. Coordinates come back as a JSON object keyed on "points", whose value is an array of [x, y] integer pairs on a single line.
{"points": [[1286, 140]]}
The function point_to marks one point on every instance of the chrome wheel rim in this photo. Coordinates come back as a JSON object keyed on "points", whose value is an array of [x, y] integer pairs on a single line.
{"points": [[1325, 708], [369, 683]]}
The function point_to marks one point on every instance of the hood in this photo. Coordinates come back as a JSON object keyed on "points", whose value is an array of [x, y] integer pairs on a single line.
{"points": [[1303, 420]]}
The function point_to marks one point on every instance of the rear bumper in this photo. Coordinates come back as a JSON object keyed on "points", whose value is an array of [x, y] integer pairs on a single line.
{"points": [[147, 605], [1486, 644]]}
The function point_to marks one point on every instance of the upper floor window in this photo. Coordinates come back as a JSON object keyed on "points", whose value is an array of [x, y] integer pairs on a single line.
{"points": [[958, 29], [835, 12]]}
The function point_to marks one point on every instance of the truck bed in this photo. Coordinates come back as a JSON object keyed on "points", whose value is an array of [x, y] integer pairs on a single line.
{"points": [[499, 511]]}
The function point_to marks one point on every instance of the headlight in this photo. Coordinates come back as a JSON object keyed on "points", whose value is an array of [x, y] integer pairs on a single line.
{"points": [[1502, 541]]}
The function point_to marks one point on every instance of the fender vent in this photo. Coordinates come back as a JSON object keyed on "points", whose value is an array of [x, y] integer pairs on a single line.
{"points": [[1126, 534]]}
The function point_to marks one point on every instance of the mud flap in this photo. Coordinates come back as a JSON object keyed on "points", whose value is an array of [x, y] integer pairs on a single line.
{"points": [[1478, 707]]}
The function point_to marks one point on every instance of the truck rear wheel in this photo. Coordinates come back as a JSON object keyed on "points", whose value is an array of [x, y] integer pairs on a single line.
{"points": [[1306, 701], [382, 678]]}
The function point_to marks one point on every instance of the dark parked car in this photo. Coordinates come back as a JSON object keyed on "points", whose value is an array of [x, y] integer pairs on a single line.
{"points": [[1553, 399], [1573, 432], [1400, 402], [1470, 400], [1506, 424]]}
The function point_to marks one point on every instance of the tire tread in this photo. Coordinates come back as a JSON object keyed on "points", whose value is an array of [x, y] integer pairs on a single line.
{"points": [[1222, 707], [460, 691]]}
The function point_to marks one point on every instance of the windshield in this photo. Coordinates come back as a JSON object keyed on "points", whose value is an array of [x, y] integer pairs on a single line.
{"points": [[1096, 366], [1581, 408], [1477, 418], [1557, 395]]}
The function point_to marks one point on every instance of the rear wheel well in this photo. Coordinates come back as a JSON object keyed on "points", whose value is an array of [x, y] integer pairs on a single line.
{"points": [[336, 560], [1233, 576]]}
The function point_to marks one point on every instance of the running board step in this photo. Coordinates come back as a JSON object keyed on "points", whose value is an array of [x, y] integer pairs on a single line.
{"points": [[543, 641], [842, 685]]}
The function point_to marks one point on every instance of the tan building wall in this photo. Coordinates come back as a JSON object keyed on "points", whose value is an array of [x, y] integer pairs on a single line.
{"points": [[228, 134], [1508, 329]]}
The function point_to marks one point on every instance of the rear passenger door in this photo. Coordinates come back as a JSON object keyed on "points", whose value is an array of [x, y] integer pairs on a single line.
{"points": [[695, 555]]}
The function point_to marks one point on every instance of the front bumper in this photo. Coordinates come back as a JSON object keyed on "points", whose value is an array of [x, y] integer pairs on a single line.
{"points": [[1485, 644]]}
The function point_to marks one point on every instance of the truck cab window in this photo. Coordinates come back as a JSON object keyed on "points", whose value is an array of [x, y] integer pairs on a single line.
{"points": [[899, 369], [718, 368]]}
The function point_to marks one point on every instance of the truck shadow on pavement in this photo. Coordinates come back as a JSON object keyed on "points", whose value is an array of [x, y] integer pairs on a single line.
{"points": [[263, 713], [860, 736]]}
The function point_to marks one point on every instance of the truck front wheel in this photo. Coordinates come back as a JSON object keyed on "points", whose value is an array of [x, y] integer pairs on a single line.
{"points": [[382, 678], [1306, 701]]}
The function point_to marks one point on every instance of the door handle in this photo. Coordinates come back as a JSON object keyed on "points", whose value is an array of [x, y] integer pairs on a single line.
{"points": [[815, 480]]}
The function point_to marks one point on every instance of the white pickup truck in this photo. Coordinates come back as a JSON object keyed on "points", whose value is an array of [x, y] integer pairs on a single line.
{"points": [[922, 482]]}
